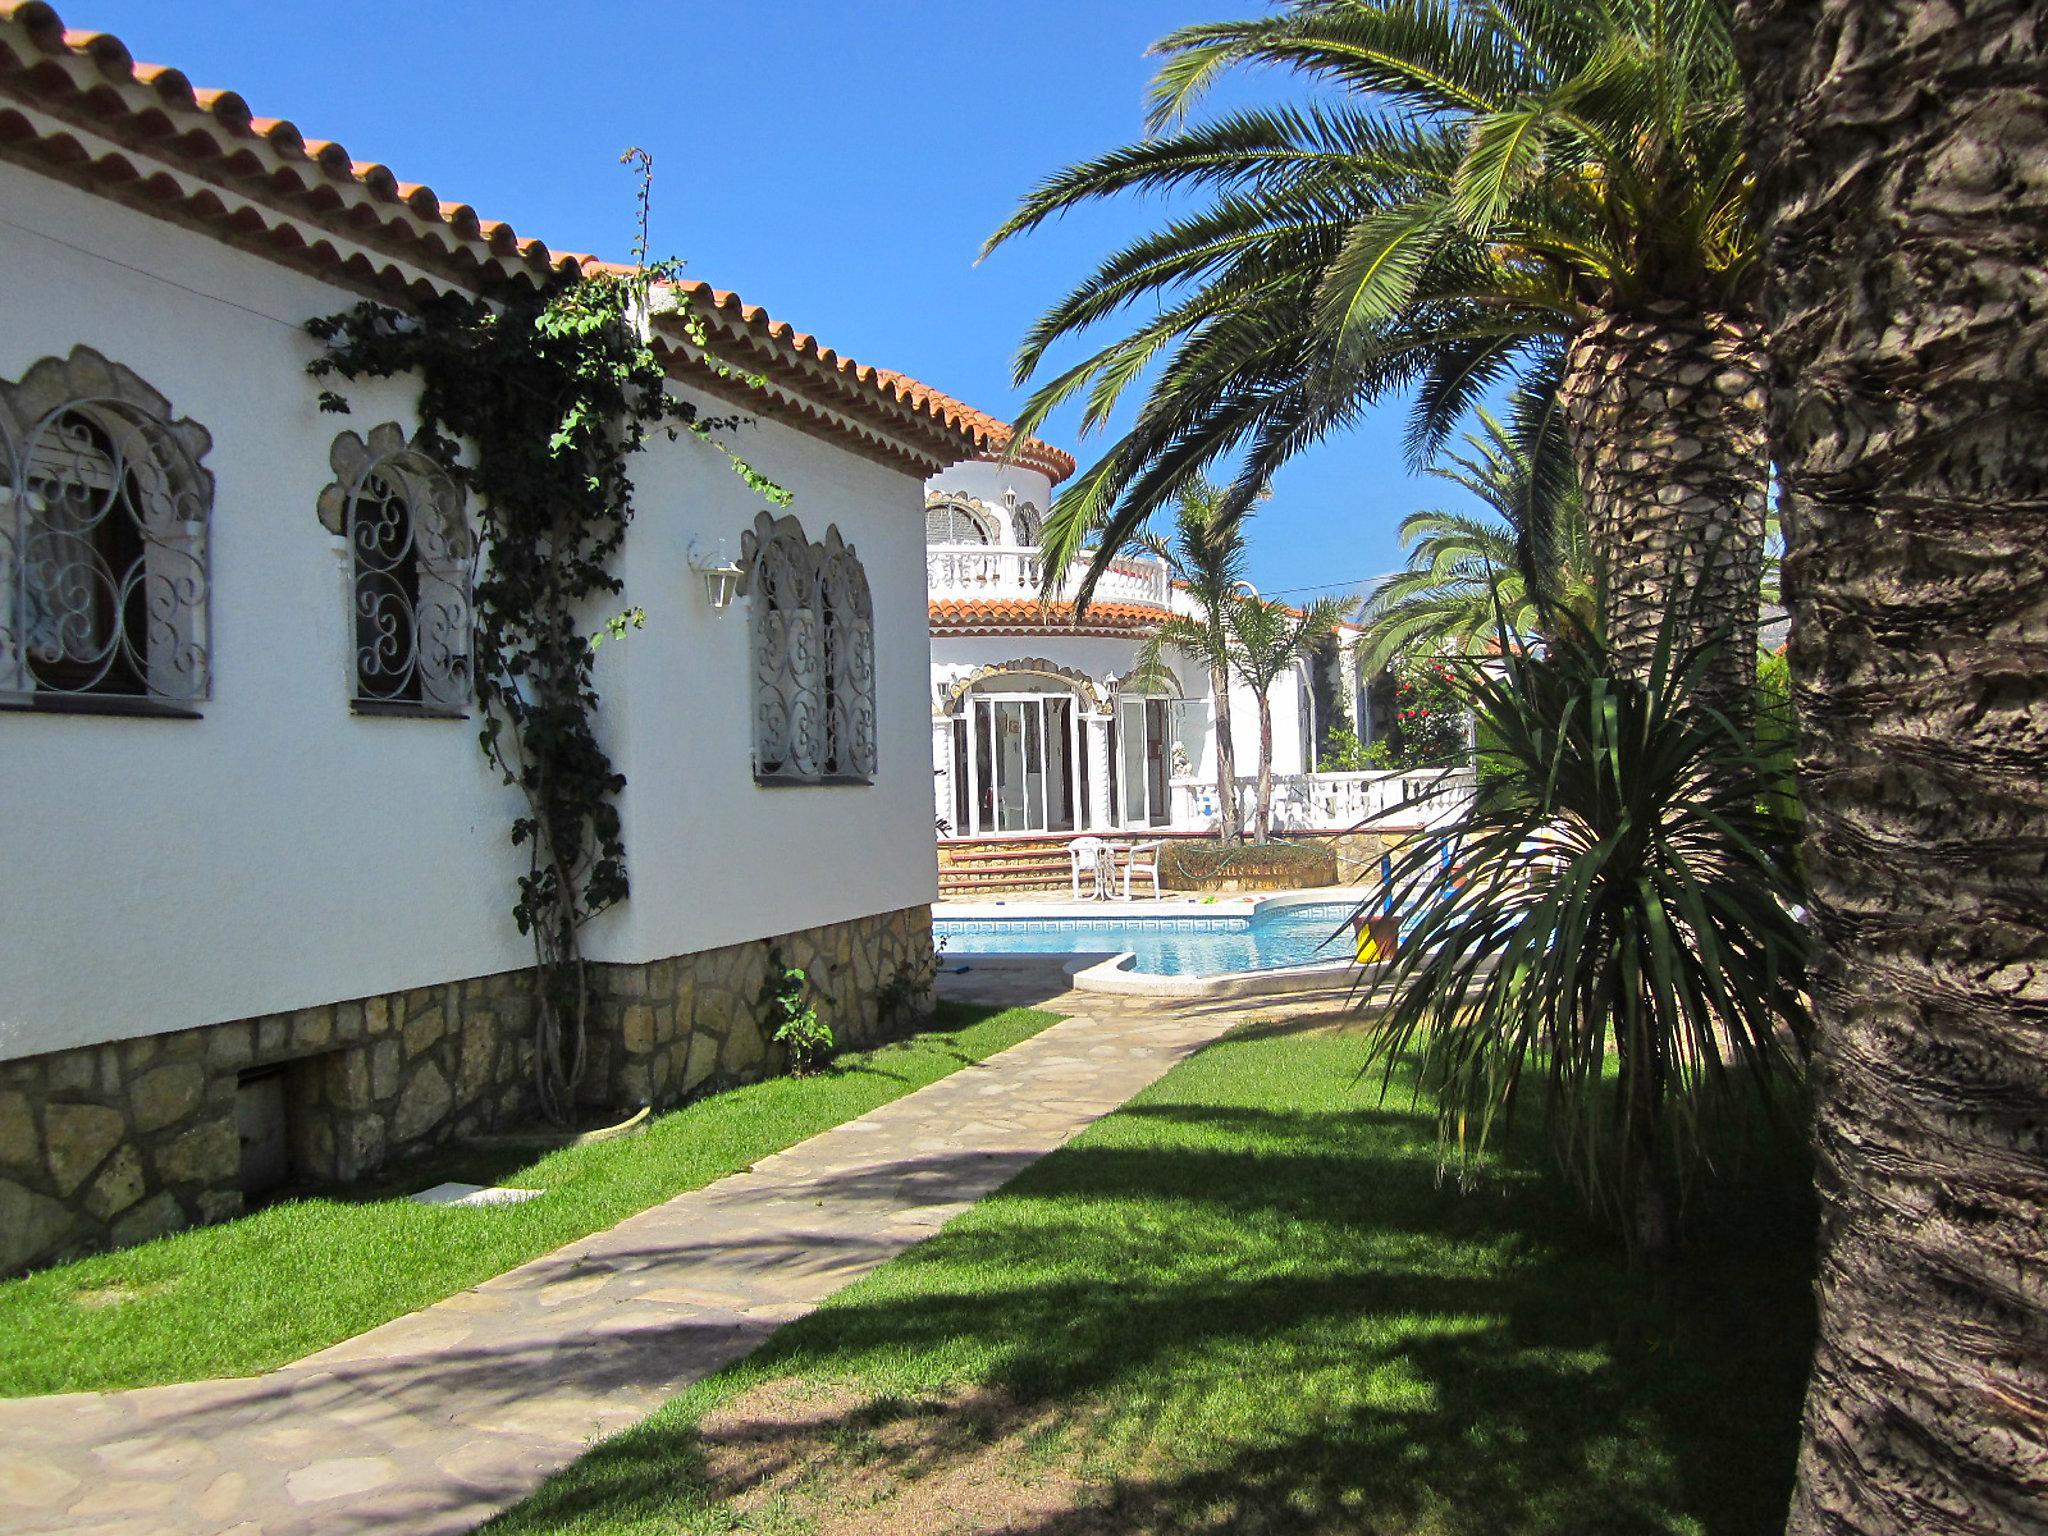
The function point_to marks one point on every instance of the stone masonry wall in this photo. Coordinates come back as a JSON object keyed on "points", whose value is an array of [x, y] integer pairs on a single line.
{"points": [[696, 1019], [108, 1145]]}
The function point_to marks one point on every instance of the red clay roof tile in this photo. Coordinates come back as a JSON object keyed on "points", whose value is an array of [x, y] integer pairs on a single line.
{"points": [[29, 28]]}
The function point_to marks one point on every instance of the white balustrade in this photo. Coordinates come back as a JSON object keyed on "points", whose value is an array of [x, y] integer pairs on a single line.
{"points": [[984, 571], [1330, 802]]}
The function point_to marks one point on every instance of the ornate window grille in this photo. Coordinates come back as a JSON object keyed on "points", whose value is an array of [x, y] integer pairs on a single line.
{"points": [[1029, 525], [811, 627], [411, 559], [104, 515], [955, 520], [847, 614]]}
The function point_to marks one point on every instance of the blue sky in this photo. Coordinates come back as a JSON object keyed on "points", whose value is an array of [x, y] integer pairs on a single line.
{"points": [[837, 161]]}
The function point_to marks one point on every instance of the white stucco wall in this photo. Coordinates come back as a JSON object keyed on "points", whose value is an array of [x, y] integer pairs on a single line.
{"points": [[283, 852]]}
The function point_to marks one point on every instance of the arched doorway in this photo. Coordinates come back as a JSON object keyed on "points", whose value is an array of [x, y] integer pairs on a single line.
{"points": [[1020, 750]]}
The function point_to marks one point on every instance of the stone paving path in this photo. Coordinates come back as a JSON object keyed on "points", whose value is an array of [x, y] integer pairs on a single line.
{"points": [[439, 1419]]}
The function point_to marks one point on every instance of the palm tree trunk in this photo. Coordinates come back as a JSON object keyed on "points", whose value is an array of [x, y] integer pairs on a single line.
{"points": [[1901, 149], [1667, 413], [1263, 827], [1230, 828]]}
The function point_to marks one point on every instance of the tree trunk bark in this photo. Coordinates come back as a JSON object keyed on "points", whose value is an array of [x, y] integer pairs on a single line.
{"points": [[1667, 414], [1231, 827], [1903, 156], [1264, 825]]}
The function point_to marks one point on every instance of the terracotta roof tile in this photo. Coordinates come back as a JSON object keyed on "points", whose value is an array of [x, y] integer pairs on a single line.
{"points": [[1026, 616], [210, 133]]}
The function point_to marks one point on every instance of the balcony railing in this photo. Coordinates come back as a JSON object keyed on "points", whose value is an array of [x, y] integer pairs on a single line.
{"points": [[981, 571], [1334, 802]]}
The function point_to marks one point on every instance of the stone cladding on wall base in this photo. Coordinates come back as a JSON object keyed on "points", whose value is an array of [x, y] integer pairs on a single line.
{"points": [[699, 1019], [108, 1145]]}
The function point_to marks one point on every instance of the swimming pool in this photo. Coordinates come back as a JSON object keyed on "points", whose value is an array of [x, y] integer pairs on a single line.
{"points": [[1268, 939]]}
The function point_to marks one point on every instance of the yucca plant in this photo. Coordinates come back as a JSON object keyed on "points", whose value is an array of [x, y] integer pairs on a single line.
{"points": [[1613, 929]]}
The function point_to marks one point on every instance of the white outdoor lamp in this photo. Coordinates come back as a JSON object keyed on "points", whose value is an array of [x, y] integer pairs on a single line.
{"points": [[720, 571]]}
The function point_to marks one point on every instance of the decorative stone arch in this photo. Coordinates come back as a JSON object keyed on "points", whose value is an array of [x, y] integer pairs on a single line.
{"points": [[1090, 691], [105, 517], [946, 511], [1114, 692]]}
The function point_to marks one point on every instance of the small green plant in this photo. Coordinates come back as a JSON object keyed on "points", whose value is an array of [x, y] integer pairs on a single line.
{"points": [[793, 1018], [906, 995], [1343, 752]]}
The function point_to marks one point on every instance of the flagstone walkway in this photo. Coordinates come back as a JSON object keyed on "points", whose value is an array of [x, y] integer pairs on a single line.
{"points": [[439, 1419]]}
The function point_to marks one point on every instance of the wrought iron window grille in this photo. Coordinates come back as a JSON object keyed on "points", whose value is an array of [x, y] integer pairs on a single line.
{"points": [[811, 632], [411, 567], [104, 521]]}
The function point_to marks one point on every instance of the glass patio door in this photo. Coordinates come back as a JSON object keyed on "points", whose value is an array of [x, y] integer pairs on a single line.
{"points": [[1022, 764]]}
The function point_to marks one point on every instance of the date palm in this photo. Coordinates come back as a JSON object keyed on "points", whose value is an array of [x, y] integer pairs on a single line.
{"points": [[1540, 191], [1266, 640], [1903, 201], [1206, 558], [1469, 577]]}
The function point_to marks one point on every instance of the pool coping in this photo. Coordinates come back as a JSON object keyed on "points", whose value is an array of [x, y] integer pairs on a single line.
{"points": [[1112, 974]]}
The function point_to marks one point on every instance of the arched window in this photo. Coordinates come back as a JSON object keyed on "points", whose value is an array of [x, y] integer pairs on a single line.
{"points": [[955, 520], [811, 626], [848, 615], [103, 539], [410, 556], [1029, 525]]}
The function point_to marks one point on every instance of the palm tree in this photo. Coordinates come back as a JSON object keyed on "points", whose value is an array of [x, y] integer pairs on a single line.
{"points": [[1901, 202], [1469, 577], [1532, 190], [1266, 639], [1206, 557]]}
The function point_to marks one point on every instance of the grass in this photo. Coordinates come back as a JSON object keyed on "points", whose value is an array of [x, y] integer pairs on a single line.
{"points": [[294, 1277], [1247, 1303]]}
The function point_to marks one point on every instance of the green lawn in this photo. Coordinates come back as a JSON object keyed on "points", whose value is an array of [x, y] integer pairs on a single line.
{"points": [[273, 1286], [1246, 1303]]}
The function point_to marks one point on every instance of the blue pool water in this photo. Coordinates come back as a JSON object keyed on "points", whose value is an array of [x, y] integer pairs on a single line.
{"points": [[1167, 946]]}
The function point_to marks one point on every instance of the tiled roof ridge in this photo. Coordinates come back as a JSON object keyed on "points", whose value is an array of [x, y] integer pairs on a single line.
{"points": [[976, 432], [1027, 615]]}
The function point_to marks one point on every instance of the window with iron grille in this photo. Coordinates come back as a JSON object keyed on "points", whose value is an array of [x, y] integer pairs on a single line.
{"points": [[811, 630], [410, 565], [104, 514], [954, 520]]}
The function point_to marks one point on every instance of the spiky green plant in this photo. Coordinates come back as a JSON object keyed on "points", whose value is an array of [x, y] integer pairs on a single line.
{"points": [[1614, 930]]}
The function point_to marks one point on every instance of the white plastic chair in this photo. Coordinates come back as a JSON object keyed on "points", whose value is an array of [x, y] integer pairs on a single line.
{"points": [[1142, 859], [1086, 853]]}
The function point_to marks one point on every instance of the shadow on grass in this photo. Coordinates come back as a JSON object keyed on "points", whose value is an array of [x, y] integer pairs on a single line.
{"points": [[1275, 1320]]}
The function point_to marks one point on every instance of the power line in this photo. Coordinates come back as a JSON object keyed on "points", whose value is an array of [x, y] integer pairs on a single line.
{"points": [[169, 282]]}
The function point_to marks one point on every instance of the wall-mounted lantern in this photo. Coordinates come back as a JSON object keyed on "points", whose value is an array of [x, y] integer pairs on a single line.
{"points": [[720, 571]]}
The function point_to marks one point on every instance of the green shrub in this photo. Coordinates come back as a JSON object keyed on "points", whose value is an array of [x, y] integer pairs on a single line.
{"points": [[793, 1017]]}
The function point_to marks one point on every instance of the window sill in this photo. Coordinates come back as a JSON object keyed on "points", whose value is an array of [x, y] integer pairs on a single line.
{"points": [[837, 781], [398, 709], [96, 704]]}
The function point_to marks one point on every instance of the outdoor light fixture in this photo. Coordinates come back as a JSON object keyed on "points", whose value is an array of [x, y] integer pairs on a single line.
{"points": [[720, 571]]}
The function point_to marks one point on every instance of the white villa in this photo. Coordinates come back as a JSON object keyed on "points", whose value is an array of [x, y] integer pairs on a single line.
{"points": [[261, 872], [1036, 736]]}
